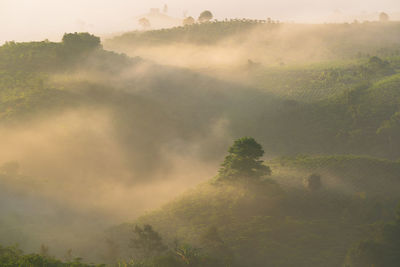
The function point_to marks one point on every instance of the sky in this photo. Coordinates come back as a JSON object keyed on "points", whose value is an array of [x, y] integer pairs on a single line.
{"points": [[25, 20]]}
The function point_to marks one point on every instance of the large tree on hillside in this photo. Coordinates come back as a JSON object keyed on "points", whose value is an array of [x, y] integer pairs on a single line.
{"points": [[244, 161], [205, 16]]}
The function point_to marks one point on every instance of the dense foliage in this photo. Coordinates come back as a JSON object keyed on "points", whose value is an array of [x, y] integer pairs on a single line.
{"points": [[14, 257], [243, 161]]}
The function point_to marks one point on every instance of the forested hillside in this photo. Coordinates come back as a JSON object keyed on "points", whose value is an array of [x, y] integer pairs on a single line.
{"points": [[281, 220], [114, 157]]}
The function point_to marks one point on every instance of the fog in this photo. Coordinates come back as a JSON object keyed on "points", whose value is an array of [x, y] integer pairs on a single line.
{"points": [[75, 179], [95, 138], [122, 151], [25, 20]]}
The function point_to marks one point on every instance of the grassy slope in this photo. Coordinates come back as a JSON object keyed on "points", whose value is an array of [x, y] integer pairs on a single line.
{"points": [[284, 225]]}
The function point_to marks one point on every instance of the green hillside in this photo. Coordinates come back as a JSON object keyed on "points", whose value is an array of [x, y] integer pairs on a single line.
{"points": [[342, 40], [282, 225], [94, 137]]}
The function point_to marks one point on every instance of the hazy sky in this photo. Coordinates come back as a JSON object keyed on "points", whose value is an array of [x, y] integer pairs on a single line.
{"points": [[24, 20]]}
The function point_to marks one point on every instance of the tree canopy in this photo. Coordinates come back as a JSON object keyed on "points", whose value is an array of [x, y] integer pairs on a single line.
{"points": [[188, 21], [81, 41], [205, 16], [243, 161]]}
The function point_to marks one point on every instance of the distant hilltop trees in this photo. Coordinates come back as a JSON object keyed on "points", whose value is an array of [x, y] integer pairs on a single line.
{"points": [[145, 23], [205, 16], [157, 18], [82, 41], [188, 21], [383, 17]]}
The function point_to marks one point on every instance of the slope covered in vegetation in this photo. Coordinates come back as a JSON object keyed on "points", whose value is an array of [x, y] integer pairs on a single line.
{"points": [[342, 40], [121, 134], [279, 221]]}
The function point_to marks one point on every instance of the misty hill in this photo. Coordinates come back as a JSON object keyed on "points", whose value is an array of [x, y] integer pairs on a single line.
{"points": [[349, 108], [267, 42], [280, 222], [114, 131], [350, 174], [204, 33]]}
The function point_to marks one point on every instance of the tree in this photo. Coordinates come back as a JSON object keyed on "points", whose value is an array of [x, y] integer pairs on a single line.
{"points": [[147, 241], [243, 161], [165, 8], [383, 17], [145, 23], [81, 42], [205, 16], [313, 182], [188, 21]]}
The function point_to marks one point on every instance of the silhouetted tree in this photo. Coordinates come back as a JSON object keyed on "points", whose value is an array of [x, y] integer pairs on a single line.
{"points": [[205, 16], [188, 21], [243, 161]]}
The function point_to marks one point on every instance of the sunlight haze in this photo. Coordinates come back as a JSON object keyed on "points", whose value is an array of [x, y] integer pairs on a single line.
{"points": [[23, 20]]}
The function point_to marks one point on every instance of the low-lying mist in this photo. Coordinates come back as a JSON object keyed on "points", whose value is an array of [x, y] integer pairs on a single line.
{"points": [[75, 176], [270, 44], [129, 134]]}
